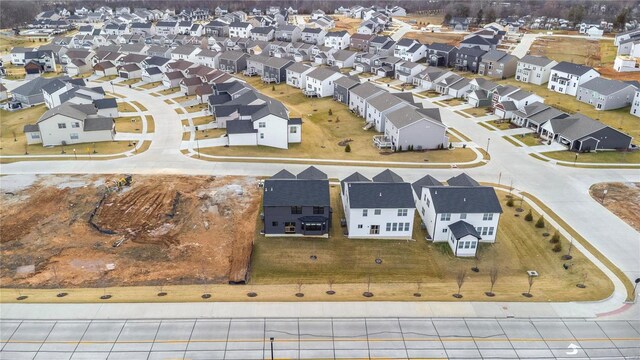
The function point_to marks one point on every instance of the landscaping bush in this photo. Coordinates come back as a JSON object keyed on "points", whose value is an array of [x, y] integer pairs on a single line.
{"points": [[557, 247], [510, 203], [540, 222], [330, 112], [529, 216], [555, 238], [347, 148], [450, 146], [273, 88]]}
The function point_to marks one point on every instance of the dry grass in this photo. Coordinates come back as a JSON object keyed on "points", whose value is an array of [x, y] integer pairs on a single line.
{"points": [[124, 106], [621, 199], [150, 85], [575, 50], [210, 134], [201, 120], [322, 132], [139, 106], [610, 157], [431, 37], [501, 124], [529, 139], [453, 102], [107, 78], [169, 91], [151, 124], [422, 20], [12, 127], [129, 124], [478, 111], [9, 42], [520, 247], [347, 23], [513, 142], [130, 81], [179, 111], [196, 108], [183, 98]]}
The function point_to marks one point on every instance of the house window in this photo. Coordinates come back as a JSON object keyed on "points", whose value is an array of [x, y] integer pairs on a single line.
{"points": [[35, 136], [487, 216], [293, 130], [296, 209], [428, 202], [445, 217], [261, 135], [359, 226], [461, 244], [388, 227], [374, 230], [402, 212], [444, 230], [406, 226], [377, 212], [365, 212], [491, 230], [485, 230], [318, 210], [467, 244], [75, 125], [463, 216], [290, 227], [394, 227], [262, 124], [73, 136], [274, 223], [62, 126]]}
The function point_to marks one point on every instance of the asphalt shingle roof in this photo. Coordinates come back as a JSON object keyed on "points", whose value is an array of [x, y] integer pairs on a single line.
{"points": [[284, 192], [464, 199], [380, 195]]}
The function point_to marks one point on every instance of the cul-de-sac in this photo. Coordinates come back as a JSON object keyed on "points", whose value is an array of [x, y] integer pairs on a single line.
{"points": [[296, 179]]}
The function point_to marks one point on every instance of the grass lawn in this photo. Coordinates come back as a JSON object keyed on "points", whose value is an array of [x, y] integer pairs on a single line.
{"points": [[575, 50], [321, 133], [201, 120], [619, 119], [427, 37], [129, 124], [9, 42], [196, 108], [478, 111], [169, 101], [501, 124], [12, 126], [429, 93], [107, 78], [183, 98], [346, 23], [210, 134], [101, 148], [178, 111], [484, 125], [513, 142], [151, 124], [421, 19], [519, 247], [169, 91], [125, 107], [130, 81], [612, 157], [140, 106], [529, 139], [151, 85]]}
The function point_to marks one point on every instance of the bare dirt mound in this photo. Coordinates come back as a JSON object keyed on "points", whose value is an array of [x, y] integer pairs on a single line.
{"points": [[621, 199], [171, 230]]}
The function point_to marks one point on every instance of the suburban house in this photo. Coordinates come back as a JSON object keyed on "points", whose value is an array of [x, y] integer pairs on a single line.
{"points": [[339, 40], [360, 94], [71, 124], [290, 33], [481, 92], [320, 82], [240, 29], [410, 50], [297, 75], [407, 70], [566, 77], [498, 64], [297, 205], [379, 106], [313, 36], [442, 55], [581, 133], [105, 68], [535, 115], [40, 61], [341, 58], [172, 79], [263, 33], [342, 87], [534, 69], [188, 86], [130, 71], [605, 94], [232, 61], [30, 93], [60, 91], [468, 59], [635, 105], [507, 99], [461, 215], [152, 74], [382, 45], [275, 70], [478, 41], [360, 42], [409, 128], [381, 208], [427, 78]]}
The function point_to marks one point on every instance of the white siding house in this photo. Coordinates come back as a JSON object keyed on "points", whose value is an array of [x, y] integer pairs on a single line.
{"points": [[566, 77]]}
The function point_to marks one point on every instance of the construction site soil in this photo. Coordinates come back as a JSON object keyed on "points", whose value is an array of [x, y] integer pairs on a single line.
{"points": [[60, 231]]}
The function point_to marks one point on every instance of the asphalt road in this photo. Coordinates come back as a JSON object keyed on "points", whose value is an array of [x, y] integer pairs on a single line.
{"points": [[356, 338]]}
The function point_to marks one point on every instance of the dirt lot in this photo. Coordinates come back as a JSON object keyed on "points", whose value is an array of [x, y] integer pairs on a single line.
{"points": [[621, 199], [176, 230], [427, 37]]}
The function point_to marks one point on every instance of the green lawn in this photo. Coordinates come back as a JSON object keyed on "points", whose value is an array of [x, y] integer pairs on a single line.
{"points": [[611, 157], [519, 247], [321, 133]]}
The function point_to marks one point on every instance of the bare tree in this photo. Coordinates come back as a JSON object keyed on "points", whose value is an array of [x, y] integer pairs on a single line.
{"points": [[528, 293], [368, 293], [493, 277], [299, 283], [460, 278], [330, 282]]}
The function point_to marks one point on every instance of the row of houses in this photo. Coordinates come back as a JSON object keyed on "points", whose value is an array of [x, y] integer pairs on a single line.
{"points": [[461, 212]]}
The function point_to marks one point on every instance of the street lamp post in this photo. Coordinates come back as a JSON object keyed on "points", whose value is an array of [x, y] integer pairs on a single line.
{"points": [[198, 146], [488, 141], [604, 195], [271, 340], [75, 154]]}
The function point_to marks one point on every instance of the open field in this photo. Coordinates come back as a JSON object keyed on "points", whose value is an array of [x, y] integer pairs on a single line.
{"points": [[9, 42], [520, 247], [421, 20], [620, 157], [621, 199], [346, 23], [322, 133], [619, 119], [129, 124], [188, 230], [431, 37]]}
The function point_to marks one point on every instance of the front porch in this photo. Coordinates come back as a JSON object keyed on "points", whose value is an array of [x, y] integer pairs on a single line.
{"points": [[382, 142]]}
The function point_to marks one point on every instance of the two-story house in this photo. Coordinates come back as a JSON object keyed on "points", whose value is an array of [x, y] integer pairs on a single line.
{"points": [[439, 54], [240, 29], [534, 69], [498, 64], [319, 82], [381, 208], [410, 50], [313, 36], [360, 95], [338, 40], [605, 94], [297, 205], [566, 77]]}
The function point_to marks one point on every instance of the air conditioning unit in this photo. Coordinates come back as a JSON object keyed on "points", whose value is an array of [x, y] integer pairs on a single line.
{"points": [[532, 273]]}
